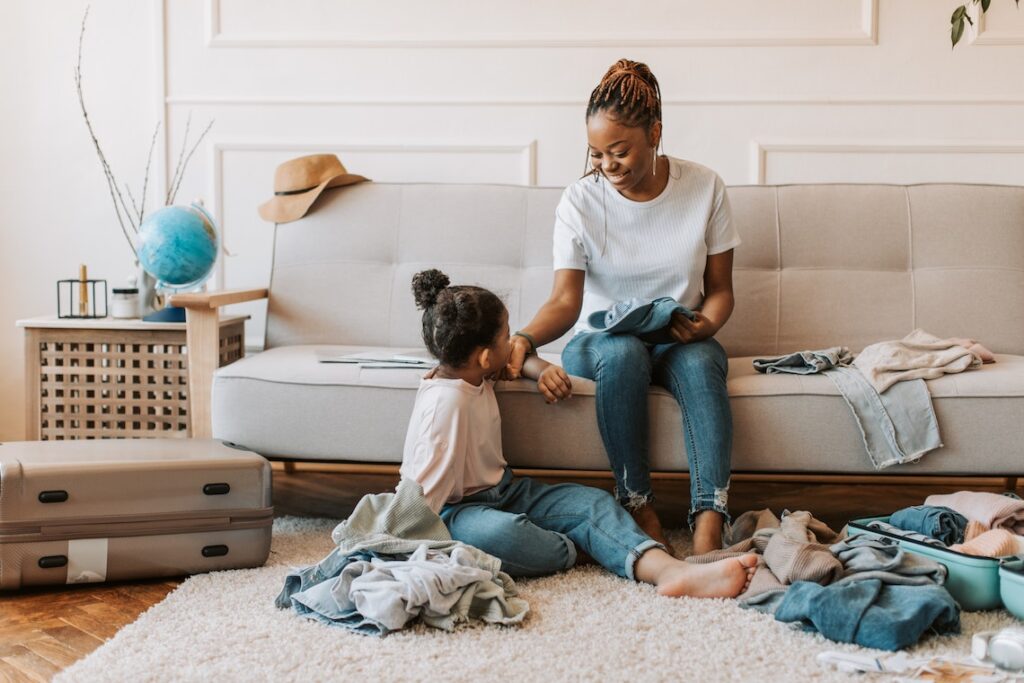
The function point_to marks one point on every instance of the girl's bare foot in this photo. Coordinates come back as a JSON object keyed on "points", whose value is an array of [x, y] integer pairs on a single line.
{"points": [[723, 579], [647, 519]]}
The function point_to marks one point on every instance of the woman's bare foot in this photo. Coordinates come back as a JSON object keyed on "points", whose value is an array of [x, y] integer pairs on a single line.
{"points": [[723, 579], [707, 532], [647, 519]]}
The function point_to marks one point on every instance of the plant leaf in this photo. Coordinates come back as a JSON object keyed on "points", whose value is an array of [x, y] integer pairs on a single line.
{"points": [[958, 14], [957, 32], [986, 3]]}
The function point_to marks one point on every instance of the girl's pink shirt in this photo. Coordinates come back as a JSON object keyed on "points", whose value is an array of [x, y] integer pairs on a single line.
{"points": [[453, 444]]}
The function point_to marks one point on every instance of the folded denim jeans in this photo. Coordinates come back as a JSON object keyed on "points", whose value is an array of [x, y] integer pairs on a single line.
{"points": [[805, 362], [934, 521]]}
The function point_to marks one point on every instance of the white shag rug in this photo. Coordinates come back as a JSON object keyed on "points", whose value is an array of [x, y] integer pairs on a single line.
{"points": [[584, 624]]}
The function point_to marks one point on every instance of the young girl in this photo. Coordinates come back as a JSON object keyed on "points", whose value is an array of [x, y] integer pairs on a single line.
{"points": [[453, 449]]}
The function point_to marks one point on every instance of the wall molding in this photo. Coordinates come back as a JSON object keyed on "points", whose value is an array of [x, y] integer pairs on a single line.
{"points": [[321, 101], [866, 34], [160, 103], [985, 36], [761, 149], [216, 149]]}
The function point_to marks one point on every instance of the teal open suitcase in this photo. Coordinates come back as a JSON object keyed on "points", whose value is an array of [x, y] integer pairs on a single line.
{"points": [[977, 583], [1011, 586]]}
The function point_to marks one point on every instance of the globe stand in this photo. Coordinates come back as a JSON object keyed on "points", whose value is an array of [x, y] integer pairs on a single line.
{"points": [[167, 314]]}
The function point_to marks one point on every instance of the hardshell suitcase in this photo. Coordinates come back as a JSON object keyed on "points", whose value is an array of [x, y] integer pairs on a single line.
{"points": [[109, 510], [972, 581]]}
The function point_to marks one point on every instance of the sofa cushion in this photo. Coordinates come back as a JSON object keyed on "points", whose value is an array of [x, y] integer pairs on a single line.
{"points": [[285, 403]]}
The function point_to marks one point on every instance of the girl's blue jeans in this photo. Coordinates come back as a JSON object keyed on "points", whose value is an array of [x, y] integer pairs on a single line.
{"points": [[624, 367], [534, 528]]}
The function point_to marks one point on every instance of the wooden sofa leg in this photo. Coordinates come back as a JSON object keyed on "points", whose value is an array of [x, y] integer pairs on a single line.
{"points": [[289, 467], [1011, 483]]}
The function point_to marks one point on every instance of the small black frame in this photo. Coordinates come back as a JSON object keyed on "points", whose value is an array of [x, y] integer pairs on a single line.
{"points": [[68, 292]]}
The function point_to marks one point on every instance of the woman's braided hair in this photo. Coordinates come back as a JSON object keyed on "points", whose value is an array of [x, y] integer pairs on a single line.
{"points": [[456, 320], [629, 92]]}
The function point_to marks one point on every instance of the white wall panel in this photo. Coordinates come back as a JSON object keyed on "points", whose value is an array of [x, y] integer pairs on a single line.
{"points": [[889, 162], [910, 61], [1003, 24]]}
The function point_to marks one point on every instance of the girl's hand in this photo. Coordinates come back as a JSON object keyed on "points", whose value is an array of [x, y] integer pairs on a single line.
{"points": [[686, 331], [555, 384]]}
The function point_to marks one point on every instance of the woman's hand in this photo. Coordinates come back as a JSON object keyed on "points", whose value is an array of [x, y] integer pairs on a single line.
{"points": [[520, 350], [686, 331], [555, 384]]}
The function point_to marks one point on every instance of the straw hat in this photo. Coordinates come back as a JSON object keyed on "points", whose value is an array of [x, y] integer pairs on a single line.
{"points": [[298, 182]]}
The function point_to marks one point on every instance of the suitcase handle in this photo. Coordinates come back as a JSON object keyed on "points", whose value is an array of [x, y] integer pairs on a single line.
{"points": [[52, 561], [215, 551], [53, 496], [218, 489]]}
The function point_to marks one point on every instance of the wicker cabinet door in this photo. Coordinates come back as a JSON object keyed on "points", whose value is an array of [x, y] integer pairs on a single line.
{"points": [[98, 383]]}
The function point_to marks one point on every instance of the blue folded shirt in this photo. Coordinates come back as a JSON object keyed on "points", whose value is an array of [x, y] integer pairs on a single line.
{"points": [[940, 523], [647, 319]]}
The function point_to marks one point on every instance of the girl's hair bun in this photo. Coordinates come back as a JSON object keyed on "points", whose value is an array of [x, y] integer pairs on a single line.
{"points": [[427, 285]]}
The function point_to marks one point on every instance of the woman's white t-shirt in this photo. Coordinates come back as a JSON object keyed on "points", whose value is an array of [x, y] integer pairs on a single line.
{"points": [[643, 250], [453, 444]]}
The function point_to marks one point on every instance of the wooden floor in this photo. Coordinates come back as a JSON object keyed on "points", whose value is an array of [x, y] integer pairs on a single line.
{"points": [[43, 631]]}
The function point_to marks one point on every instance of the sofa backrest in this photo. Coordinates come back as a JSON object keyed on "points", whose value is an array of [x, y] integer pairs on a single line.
{"points": [[820, 265]]}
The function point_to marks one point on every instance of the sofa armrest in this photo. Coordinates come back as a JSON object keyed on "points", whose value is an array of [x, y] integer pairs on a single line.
{"points": [[223, 297], [202, 338]]}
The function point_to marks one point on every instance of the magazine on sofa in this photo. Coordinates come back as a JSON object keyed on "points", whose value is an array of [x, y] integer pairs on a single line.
{"points": [[380, 359]]}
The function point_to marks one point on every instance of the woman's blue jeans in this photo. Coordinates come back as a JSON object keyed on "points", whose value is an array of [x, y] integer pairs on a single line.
{"points": [[534, 528], [624, 367]]}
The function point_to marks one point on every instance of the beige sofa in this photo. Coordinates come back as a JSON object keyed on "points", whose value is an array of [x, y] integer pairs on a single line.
{"points": [[820, 265]]}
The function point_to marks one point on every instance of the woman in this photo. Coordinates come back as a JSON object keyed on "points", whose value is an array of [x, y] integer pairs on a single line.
{"points": [[643, 225]]}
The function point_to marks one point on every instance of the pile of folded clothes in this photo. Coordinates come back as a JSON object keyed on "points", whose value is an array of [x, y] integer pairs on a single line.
{"points": [[854, 590], [969, 522]]}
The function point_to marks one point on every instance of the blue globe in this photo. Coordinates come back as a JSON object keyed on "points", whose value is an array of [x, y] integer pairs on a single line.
{"points": [[178, 246]]}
